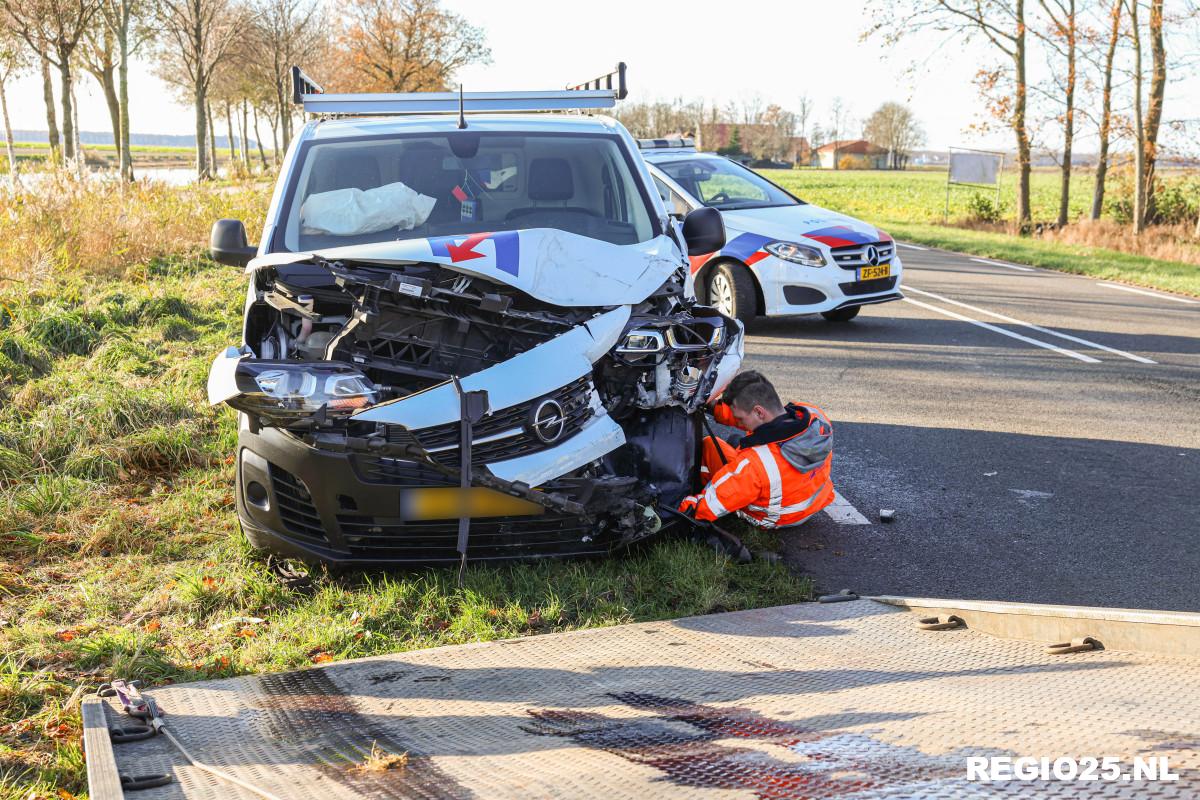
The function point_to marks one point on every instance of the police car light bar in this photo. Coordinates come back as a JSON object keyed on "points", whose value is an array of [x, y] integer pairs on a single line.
{"points": [[315, 101], [666, 144]]}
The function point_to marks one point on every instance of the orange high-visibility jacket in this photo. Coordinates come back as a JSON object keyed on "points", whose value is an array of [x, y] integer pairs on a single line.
{"points": [[772, 484]]}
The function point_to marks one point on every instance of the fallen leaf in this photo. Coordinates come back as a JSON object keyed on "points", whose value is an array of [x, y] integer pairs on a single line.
{"points": [[321, 658], [152, 626], [66, 635], [247, 632]]}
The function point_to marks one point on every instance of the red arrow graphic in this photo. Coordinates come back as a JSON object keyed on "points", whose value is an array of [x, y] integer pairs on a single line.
{"points": [[466, 250]]}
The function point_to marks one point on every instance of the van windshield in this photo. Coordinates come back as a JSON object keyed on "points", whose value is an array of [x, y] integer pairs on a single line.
{"points": [[379, 189]]}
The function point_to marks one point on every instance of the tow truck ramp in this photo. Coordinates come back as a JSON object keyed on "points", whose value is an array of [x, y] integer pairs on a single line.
{"points": [[874, 698]]}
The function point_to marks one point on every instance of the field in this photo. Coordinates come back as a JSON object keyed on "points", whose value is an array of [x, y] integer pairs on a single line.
{"points": [[919, 196], [910, 205], [119, 549]]}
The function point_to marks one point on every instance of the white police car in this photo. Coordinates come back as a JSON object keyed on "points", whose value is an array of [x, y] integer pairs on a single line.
{"points": [[782, 255]]}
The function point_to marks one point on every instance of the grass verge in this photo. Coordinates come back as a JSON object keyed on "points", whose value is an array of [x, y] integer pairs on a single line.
{"points": [[119, 554], [910, 206], [1096, 262]]}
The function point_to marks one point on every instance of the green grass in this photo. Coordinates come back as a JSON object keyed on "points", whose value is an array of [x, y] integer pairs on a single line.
{"points": [[119, 549], [1096, 262], [918, 196], [910, 206]]}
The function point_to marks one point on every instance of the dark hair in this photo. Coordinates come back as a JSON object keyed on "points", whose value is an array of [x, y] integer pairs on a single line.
{"points": [[751, 388]]}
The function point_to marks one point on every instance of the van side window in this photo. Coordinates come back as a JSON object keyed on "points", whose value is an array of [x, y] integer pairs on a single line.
{"points": [[674, 203]]}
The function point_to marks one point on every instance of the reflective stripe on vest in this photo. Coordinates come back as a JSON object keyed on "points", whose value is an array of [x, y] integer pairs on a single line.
{"points": [[797, 507], [710, 494], [775, 505]]}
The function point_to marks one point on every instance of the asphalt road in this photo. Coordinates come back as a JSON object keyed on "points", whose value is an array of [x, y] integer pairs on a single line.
{"points": [[1018, 472]]}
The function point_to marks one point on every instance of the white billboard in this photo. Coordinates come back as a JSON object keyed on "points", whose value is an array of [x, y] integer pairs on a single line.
{"points": [[975, 167]]}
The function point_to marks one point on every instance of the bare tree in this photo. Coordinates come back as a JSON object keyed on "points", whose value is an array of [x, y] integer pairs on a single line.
{"points": [[837, 127], [403, 46], [97, 55], [54, 28], [195, 37], [778, 130], [1106, 108], [14, 58], [804, 111], [1003, 24], [1154, 107], [286, 32], [51, 117], [892, 126], [1139, 127], [125, 20], [1062, 37]]}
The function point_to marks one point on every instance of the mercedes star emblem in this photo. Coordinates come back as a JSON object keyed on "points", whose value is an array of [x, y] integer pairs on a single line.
{"points": [[871, 255]]}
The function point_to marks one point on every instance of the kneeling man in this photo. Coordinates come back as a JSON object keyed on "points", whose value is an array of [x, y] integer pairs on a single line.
{"points": [[777, 475]]}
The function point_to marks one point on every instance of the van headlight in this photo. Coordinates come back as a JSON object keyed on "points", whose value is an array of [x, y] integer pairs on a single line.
{"points": [[286, 392], [796, 253]]}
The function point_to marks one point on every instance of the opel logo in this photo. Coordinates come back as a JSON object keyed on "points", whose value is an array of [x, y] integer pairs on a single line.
{"points": [[871, 255], [548, 421]]}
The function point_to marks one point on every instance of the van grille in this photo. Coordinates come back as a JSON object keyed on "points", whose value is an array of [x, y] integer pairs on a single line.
{"points": [[296, 508], [499, 538], [505, 433]]}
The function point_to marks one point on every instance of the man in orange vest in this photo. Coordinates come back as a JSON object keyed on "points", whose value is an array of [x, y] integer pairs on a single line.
{"points": [[778, 474]]}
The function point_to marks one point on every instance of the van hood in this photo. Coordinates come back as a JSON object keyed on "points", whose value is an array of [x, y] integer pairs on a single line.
{"points": [[787, 223], [554, 266]]}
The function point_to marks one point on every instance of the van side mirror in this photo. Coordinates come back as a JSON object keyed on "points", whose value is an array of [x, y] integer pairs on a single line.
{"points": [[704, 231], [228, 243]]}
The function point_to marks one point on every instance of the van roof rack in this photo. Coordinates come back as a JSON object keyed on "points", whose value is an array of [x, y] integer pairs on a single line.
{"points": [[666, 144], [597, 93]]}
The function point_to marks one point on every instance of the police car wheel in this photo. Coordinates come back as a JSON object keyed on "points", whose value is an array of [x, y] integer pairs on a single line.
{"points": [[731, 291], [841, 314]]}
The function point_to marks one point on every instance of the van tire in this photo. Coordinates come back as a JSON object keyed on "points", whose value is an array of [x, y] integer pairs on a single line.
{"points": [[731, 291]]}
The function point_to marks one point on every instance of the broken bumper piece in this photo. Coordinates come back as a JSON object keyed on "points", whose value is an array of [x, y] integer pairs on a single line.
{"points": [[355, 510]]}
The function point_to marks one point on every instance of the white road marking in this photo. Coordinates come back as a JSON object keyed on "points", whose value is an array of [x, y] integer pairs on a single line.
{"points": [[1039, 328], [1037, 342], [843, 513], [1149, 294], [911, 246], [1002, 264]]}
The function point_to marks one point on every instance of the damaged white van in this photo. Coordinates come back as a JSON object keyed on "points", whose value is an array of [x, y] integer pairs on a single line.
{"points": [[467, 334]]}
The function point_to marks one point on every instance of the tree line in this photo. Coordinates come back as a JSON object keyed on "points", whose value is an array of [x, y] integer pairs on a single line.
{"points": [[228, 59], [1108, 64], [768, 132]]}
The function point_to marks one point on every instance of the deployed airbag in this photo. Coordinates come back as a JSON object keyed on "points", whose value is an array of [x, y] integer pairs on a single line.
{"points": [[348, 212]]}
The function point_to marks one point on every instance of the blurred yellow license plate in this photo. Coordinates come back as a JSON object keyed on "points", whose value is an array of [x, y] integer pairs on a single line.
{"points": [[871, 273], [452, 502]]}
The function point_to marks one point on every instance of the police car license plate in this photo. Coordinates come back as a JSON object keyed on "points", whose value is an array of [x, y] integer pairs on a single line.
{"points": [[871, 273]]}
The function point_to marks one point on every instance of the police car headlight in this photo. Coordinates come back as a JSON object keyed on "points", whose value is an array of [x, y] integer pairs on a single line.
{"points": [[796, 253]]}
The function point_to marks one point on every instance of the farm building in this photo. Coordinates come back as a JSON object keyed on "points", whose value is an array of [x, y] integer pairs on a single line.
{"points": [[852, 154]]}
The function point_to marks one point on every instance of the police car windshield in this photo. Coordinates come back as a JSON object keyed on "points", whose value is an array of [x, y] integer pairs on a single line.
{"points": [[727, 185], [377, 189]]}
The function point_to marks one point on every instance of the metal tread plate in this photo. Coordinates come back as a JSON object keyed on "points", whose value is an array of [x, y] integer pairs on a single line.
{"points": [[846, 700]]}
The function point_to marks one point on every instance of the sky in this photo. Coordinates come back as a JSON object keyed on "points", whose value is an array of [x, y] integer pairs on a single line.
{"points": [[725, 52]]}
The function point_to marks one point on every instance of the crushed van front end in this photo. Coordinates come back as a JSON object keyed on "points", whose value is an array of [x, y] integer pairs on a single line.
{"points": [[362, 379]]}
